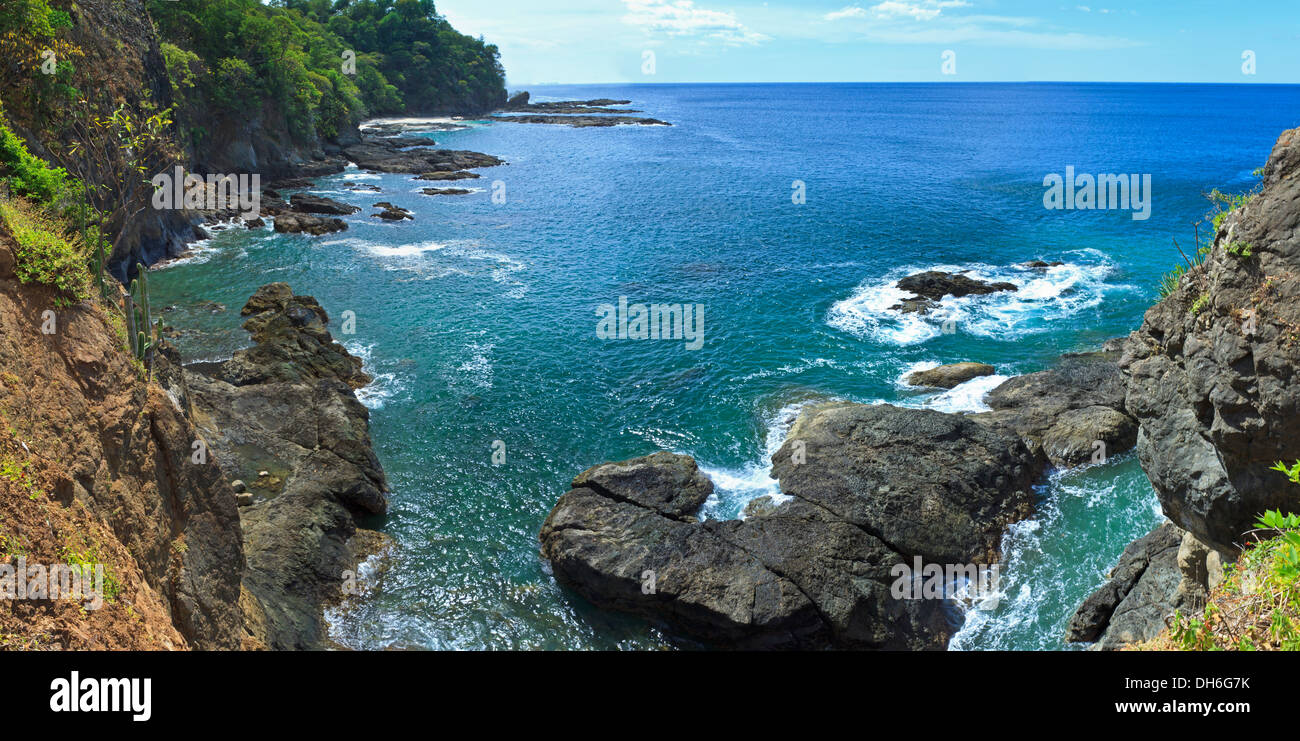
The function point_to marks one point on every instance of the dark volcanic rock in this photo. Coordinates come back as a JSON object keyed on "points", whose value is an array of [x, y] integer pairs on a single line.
{"points": [[391, 212], [445, 191], [669, 484], [581, 121], [934, 285], [1065, 411], [879, 486], [292, 343], [951, 375], [286, 406], [320, 205], [382, 156], [1141, 592], [454, 175], [1216, 390], [315, 225], [931, 484]]}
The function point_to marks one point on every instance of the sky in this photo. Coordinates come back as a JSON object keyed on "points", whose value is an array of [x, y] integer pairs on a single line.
{"points": [[603, 41]]}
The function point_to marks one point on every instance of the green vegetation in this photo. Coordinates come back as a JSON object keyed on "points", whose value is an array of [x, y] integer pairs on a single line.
{"points": [[141, 334], [1199, 304], [1223, 204], [1257, 608], [45, 255], [322, 65], [85, 555], [16, 473], [29, 41]]}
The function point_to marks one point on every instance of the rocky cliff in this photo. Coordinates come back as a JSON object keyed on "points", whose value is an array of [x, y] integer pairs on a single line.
{"points": [[99, 467], [1213, 378]]}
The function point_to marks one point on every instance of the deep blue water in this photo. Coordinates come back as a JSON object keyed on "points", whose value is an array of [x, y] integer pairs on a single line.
{"points": [[478, 318]]}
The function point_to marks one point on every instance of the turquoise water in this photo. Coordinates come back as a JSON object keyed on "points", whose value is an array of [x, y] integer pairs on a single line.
{"points": [[478, 319]]}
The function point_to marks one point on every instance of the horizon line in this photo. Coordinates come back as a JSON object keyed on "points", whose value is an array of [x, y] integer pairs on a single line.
{"points": [[915, 82]]}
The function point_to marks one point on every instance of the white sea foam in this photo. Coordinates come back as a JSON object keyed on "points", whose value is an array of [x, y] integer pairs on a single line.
{"points": [[196, 252], [964, 397], [479, 366], [383, 385], [1043, 296], [733, 488]]}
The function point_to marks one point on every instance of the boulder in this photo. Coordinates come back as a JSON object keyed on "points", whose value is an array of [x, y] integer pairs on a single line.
{"points": [[935, 285], [951, 375], [1063, 412], [310, 204], [873, 488], [314, 225]]}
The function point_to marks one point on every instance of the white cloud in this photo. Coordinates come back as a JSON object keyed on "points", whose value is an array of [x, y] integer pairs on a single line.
{"points": [[921, 10], [682, 18], [849, 11]]}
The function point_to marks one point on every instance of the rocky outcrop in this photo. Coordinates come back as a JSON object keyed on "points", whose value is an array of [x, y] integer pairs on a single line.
{"points": [[444, 191], [932, 286], [872, 488], [455, 175], [582, 121], [950, 376], [383, 155], [1214, 371], [309, 204], [520, 103], [1073, 413], [1164, 571], [1140, 592], [308, 224], [283, 415], [390, 212]]}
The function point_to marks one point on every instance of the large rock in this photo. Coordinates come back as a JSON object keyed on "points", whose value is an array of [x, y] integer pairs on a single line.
{"points": [[320, 205], [936, 485], [1072, 413], [384, 155], [935, 285], [283, 415], [951, 375], [288, 223], [1213, 376], [873, 487]]}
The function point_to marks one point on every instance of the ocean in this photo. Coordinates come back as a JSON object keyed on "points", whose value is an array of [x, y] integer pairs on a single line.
{"points": [[479, 318]]}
